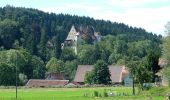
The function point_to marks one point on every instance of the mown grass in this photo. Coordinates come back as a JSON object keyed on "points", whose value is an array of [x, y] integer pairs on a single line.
{"points": [[123, 93]]}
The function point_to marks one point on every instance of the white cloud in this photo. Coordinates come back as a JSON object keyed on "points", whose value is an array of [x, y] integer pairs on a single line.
{"points": [[134, 3], [134, 13], [153, 20], [66, 8]]}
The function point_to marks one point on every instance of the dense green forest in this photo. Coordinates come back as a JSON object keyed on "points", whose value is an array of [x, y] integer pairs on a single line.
{"points": [[31, 40]]}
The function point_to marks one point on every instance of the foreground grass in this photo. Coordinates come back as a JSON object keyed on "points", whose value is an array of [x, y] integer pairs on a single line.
{"points": [[81, 94]]}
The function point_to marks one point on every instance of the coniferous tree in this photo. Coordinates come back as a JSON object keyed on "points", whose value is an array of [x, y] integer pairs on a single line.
{"points": [[42, 45], [166, 54], [41, 35], [99, 75], [57, 46], [152, 60]]}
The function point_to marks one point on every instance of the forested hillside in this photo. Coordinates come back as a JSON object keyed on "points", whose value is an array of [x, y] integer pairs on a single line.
{"points": [[36, 37]]}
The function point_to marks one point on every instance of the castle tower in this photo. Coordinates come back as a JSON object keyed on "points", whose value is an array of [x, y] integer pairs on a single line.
{"points": [[72, 38]]}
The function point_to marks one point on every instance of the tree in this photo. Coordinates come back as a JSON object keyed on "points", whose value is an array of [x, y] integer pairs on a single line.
{"points": [[69, 69], [9, 31], [88, 39], [17, 59], [54, 65], [28, 66], [166, 44], [132, 66], [166, 53], [101, 73], [68, 54], [139, 72], [42, 45], [56, 42], [151, 62], [140, 48], [41, 34], [57, 46], [14, 61], [35, 38], [87, 54], [120, 46], [89, 78], [111, 59], [38, 67], [7, 74], [23, 79]]}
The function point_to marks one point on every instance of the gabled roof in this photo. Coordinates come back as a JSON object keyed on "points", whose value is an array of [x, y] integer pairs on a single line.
{"points": [[81, 71], [81, 31], [72, 34], [117, 73], [46, 83], [55, 76]]}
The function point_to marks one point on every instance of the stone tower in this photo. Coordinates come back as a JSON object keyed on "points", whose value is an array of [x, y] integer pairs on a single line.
{"points": [[72, 38], [78, 35]]}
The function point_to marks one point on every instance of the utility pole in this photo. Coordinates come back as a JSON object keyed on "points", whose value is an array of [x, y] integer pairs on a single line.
{"points": [[16, 80], [133, 85]]}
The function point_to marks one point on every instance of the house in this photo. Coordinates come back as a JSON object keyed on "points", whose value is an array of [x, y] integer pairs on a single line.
{"points": [[118, 74], [46, 83], [165, 81], [161, 79], [77, 34], [128, 81], [80, 73], [53, 79], [55, 76]]}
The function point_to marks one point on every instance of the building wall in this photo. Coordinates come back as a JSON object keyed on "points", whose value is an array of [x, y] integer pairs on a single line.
{"points": [[165, 82], [128, 81], [71, 40]]}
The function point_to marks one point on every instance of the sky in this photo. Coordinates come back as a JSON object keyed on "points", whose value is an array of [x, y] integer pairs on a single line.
{"points": [[152, 15]]}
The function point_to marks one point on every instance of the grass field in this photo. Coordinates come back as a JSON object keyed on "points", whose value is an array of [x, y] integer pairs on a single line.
{"points": [[125, 93]]}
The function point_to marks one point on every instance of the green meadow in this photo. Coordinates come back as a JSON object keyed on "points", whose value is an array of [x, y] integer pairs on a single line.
{"points": [[119, 93]]}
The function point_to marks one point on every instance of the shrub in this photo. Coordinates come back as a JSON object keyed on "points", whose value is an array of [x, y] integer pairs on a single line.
{"points": [[23, 79], [105, 94], [161, 91], [96, 93], [147, 86]]}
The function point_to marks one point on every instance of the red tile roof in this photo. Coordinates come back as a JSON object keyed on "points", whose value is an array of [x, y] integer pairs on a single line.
{"points": [[46, 83]]}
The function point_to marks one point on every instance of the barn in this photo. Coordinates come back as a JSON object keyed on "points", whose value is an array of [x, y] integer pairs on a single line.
{"points": [[46, 83], [52, 80], [118, 74]]}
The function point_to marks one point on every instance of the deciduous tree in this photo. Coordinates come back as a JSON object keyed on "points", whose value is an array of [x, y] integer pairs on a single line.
{"points": [[101, 73]]}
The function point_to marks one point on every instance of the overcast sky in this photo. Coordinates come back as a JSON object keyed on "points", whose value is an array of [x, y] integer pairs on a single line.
{"points": [[151, 15]]}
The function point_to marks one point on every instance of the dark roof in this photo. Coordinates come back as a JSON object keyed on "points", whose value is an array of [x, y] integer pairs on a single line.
{"points": [[117, 73], [46, 83], [82, 31], [55, 76]]}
